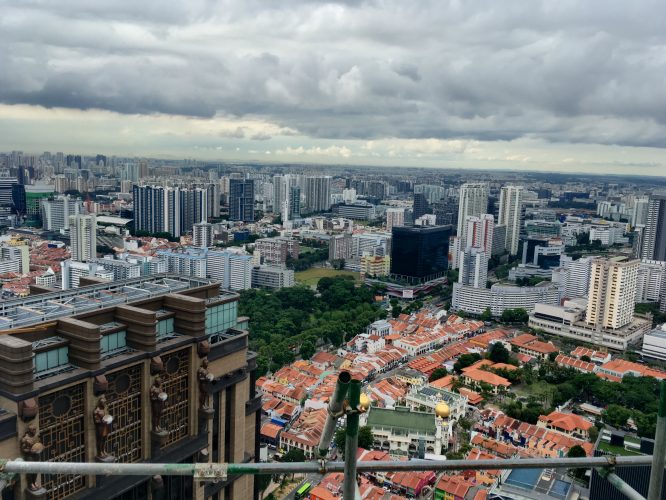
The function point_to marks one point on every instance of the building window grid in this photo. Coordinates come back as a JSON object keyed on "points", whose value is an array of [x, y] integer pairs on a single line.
{"points": [[114, 342], [51, 360], [125, 405], [165, 327], [221, 317], [176, 412], [63, 436]]}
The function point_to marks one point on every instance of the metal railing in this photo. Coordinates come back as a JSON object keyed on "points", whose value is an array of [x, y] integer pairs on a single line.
{"points": [[348, 401]]}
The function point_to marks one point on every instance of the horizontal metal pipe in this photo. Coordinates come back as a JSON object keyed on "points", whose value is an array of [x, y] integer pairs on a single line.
{"points": [[216, 470]]}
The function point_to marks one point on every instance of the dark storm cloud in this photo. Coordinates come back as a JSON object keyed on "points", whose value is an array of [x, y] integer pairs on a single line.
{"points": [[561, 71]]}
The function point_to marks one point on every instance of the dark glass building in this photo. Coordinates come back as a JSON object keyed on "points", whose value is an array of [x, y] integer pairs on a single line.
{"points": [[241, 200], [420, 252], [420, 205]]}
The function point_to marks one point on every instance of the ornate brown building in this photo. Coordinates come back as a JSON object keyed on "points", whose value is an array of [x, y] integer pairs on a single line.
{"points": [[152, 369]]}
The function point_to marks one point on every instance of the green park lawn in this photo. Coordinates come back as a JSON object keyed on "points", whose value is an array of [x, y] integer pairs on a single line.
{"points": [[312, 276]]}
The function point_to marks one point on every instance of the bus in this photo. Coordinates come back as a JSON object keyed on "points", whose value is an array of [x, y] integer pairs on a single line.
{"points": [[303, 491]]}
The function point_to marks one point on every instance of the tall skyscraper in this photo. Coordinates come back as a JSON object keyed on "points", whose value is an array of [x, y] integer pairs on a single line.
{"points": [[166, 209], [420, 205], [394, 217], [318, 194], [473, 267], [294, 202], [149, 205], [479, 232], [241, 200], [280, 183], [83, 237], [511, 200], [654, 236], [610, 303], [420, 252], [473, 202]]}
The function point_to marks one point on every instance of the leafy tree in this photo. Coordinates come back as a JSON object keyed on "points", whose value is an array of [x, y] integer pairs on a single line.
{"points": [[294, 455], [594, 434], [616, 415], [437, 374], [365, 438], [514, 316], [576, 451], [498, 353], [307, 350], [586, 359], [466, 360], [486, 315]]}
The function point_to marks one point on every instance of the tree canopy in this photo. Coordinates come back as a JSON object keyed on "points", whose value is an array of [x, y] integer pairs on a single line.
{"points": [[365, 438], [291, 321]]}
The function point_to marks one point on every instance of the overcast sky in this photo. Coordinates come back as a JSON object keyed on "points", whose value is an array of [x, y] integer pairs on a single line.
{"points": [[558, 84]]}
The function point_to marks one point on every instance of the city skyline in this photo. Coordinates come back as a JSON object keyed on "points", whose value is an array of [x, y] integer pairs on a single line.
{"points": [[524, 86]]}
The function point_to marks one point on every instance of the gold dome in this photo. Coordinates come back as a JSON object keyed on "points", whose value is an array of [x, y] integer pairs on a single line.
{"points": [[442, 410], [364, 402]]}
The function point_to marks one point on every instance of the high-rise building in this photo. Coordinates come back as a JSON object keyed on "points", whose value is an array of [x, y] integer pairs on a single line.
{"points": [[472, 203], [510, 211], [640, 211], [294, 202], [340, 247], [166, 209], [272, 277], [654, 235], [420, 205], [394, 217], [479, 232], [213, 201], [202, 235], [56, 212], [420, 252], [612, 291], [149, 209], [83, 237], [318, 194], [473, 267], [232, 270], [241, 200]]}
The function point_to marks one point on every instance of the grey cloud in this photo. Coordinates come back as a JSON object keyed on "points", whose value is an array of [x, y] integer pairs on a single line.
{"points": [[565, 71], [260, 136]]}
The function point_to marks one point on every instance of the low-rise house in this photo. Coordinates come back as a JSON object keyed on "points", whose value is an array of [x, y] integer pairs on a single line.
{"points": [[532, 346], [566, 423], [575, 363]]}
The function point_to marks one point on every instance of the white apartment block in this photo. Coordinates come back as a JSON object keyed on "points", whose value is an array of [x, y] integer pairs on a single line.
{"points": [[502, 297], [272, 277], [473, 202], [83, 237], [72, 272], [232, 270], [479, 232], [202, 235], [56, 212], [510, 211], [394, 217], [612, 291], [473, 267], [651, 281], [568, 321], [121, 269], [654, 343]]}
